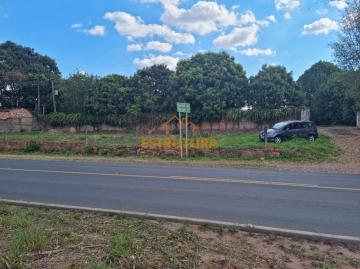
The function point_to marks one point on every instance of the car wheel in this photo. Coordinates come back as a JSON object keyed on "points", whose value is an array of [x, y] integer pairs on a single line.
{"points": [[311, 138], [278, 139]]}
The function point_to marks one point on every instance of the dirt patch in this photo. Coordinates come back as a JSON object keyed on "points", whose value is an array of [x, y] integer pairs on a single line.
{"points": [[348, 140]]}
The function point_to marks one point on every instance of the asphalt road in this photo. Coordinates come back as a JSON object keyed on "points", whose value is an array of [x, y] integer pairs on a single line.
{"points": [[315, 202]]}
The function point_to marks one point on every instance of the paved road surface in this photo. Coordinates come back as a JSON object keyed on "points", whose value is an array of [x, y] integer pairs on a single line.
{"points": [[315, 202]]}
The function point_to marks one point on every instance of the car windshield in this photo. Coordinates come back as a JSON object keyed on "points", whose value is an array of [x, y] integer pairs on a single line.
{"points": [[279, 125]]}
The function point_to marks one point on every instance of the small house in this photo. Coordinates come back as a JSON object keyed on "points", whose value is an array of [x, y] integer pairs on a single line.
{"points": [[15, 120]]}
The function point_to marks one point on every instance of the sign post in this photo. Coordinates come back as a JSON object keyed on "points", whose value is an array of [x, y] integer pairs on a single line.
{"points": [[186, 136], [180, 138], [183, 108]]}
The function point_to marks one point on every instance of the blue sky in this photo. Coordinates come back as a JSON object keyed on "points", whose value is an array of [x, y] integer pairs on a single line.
{"points": [[119, 36]]}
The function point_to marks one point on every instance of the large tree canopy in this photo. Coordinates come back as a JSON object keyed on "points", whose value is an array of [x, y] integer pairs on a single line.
{"points": [[211, 83], [108, 97], [22, 70], [315, 76], [74, 92], [151, 88], [273, 87], [333, 103]]}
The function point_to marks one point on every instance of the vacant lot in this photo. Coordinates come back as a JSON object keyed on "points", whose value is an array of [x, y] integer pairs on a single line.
{"points": [[44, 238], [292, 150]]}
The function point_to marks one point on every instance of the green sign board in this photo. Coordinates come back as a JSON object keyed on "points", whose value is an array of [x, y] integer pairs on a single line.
{"points": [[183, 107]]}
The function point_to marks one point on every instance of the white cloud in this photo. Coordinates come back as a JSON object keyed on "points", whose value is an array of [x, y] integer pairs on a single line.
{"points": [[271, 18], [287, 5], [169, 61], [134, 47], [159, 46], [76, 25], [247, 17], [97, 30], [202, 18], [238, 37], [152, 45], [133, 27], [339, 4], [205, 17], [322, 26], [258, 52], [180, 53]]}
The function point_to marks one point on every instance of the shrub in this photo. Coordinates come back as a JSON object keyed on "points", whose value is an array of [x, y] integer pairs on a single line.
{"points": [[61, 119], [32, 146]]}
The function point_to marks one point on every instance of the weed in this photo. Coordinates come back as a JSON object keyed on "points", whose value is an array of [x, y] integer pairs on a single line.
{"points": [[4, 209], [58, 218], [26, 240], [185, 235], [124, 246], [17, 219], [320, 261], [94, 264], [4, 262]]}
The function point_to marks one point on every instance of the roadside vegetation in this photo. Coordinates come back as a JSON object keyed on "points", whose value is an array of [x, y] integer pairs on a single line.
{"points": [[47, 238], [292, 150], [299, 149]]}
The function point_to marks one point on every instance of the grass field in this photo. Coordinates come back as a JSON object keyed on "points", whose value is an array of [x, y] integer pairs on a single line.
{"points": [[47, 238], [100, 139], [292, 150], [297, 149]]}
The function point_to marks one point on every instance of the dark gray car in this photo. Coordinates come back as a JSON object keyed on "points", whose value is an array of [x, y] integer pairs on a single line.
{"points": [[289, 129]]}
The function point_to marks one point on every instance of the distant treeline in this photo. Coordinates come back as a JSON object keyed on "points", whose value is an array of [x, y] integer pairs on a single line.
{"points": [[213, 83]]}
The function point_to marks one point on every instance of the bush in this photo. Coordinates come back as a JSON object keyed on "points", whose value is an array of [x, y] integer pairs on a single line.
{"points": [[61, 119], [262, 115], [32, 146]]}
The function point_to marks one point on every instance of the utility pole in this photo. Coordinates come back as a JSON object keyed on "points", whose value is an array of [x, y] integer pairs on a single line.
{"points": [[186, 135], [38, 98], [53, 91], [180, 140]]}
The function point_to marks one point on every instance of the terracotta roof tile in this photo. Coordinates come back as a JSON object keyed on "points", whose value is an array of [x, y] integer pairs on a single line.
{"points": [[15, 114]]}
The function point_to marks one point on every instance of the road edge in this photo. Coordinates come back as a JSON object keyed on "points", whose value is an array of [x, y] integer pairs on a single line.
{"points": [[198, 221]]}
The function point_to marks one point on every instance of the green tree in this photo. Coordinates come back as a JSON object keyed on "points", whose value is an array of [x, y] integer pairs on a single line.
{"points": [[211, 83], [312, 79], [273, 87], [152, 89], [108, 98], [22, 70], [333, 102], [75, 91]]}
